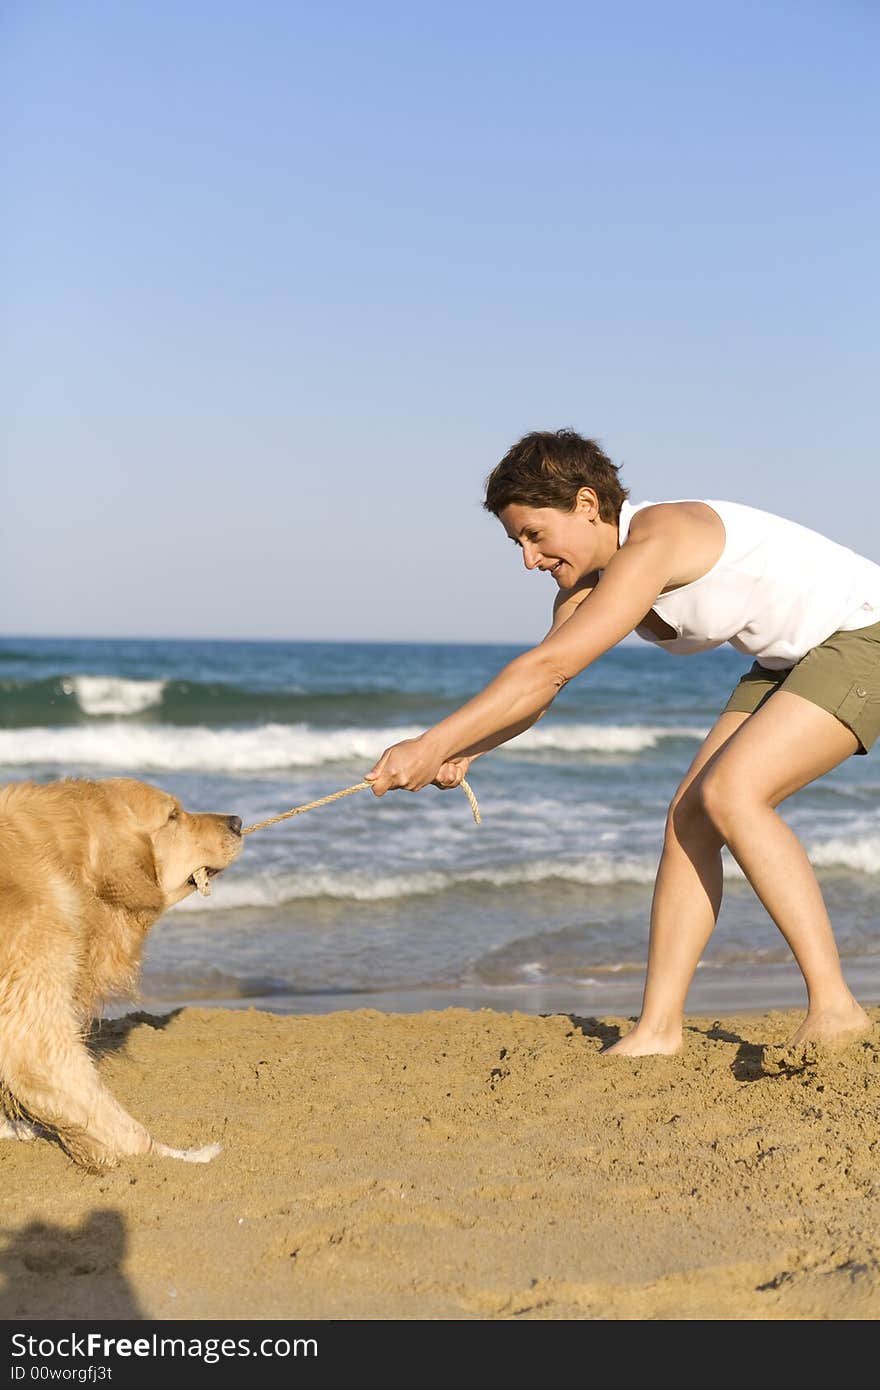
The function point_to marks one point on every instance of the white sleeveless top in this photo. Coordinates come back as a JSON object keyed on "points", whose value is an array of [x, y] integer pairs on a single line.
{"points": [[776, 591]]}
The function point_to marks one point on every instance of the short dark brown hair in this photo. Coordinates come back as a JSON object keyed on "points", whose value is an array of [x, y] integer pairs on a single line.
{"points": [[548, 468]]}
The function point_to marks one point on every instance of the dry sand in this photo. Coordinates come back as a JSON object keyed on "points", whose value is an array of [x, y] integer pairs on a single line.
{"points": [[461, 1165]]}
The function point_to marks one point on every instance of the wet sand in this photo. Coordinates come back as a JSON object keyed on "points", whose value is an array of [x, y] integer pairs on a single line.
{"points": [[460, 1164]]}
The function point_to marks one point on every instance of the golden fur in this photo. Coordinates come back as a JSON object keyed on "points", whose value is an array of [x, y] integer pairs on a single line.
{"points": [[86, 868]]}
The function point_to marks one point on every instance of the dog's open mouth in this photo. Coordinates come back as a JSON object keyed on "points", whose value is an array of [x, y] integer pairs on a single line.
{"points": [[201, 879]]}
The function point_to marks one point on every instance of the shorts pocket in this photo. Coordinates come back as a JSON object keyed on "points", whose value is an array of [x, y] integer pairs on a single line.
{"points": [[852, 707]]}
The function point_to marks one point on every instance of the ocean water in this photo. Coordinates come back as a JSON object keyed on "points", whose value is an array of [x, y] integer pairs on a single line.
{"points": [[403, 902]]}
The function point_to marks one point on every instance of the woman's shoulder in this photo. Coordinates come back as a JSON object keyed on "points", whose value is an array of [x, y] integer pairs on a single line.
{"points": [[678, 515], [690, 532]]}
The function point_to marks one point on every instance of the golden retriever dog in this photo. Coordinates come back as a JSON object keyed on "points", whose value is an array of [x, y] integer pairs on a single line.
{"points": [[86, 868]]}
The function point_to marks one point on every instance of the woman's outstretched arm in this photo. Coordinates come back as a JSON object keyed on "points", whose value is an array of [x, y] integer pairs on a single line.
{"points": [[654, 555]]}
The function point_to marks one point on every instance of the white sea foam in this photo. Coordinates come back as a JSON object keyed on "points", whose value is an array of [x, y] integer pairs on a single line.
{"points": [[861, 853], [592, 871], [359, 886], [165, 747], [158, 747], [100, 695], [602, 738]]}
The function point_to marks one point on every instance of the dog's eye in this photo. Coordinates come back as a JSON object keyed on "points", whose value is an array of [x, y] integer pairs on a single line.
{"points": [[175, 814]]}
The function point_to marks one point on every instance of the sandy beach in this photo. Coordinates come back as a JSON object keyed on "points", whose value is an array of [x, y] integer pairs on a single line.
{"points": [[460, 1165]]}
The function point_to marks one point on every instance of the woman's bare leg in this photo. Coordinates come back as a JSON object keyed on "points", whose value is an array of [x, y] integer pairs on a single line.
{"points": [[687, 900], [787, 744], [784, 746]]}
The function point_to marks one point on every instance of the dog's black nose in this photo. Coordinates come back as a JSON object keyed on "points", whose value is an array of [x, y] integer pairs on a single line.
{"points": [[234, 823]]}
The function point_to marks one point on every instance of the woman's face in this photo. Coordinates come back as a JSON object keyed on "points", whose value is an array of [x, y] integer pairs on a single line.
{"points": [[568, 545]]}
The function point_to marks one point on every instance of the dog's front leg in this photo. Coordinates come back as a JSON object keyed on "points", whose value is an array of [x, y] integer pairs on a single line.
{"points": [[47, 1069]]}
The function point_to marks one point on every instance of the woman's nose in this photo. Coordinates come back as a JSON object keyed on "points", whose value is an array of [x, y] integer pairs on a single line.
{"points": [[530, 555]]}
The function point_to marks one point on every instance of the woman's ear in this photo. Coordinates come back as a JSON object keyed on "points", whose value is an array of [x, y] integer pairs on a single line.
{"points": [[587, 502]]}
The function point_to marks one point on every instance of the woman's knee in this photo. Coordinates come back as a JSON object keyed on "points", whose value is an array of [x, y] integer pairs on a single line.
{"points": [[687, 821], [725, 800]]}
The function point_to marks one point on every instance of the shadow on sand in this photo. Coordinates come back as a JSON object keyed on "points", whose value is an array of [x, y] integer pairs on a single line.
{"points": [[50, 1273]]}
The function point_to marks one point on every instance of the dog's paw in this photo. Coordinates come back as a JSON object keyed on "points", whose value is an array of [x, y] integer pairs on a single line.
{"points": [[202, 1155]]}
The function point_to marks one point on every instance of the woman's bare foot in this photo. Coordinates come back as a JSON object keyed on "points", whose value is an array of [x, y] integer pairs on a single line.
{"points": [[835, 1025], [642, 1041]]}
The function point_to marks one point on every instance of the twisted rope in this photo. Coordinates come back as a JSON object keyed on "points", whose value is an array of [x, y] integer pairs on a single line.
{"points": [[346, 791]]}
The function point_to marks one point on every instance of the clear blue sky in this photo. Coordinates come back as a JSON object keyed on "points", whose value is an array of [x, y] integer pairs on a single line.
{"points": [[282, 282]]}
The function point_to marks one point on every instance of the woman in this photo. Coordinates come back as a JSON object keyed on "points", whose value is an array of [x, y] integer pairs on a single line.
{"points": [[687, 576]]}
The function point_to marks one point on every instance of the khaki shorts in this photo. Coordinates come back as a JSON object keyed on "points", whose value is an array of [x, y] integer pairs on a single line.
{"points": [[841, 675]]}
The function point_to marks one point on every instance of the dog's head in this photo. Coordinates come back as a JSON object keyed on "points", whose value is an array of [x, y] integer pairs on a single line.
{"points": [[188, 848]]}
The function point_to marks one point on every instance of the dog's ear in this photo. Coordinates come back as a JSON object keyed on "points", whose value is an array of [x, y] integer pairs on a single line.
{"points": [[126, 876]]}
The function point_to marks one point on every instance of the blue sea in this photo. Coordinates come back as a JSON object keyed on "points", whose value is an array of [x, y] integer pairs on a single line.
{"points": [[403, 903]]}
